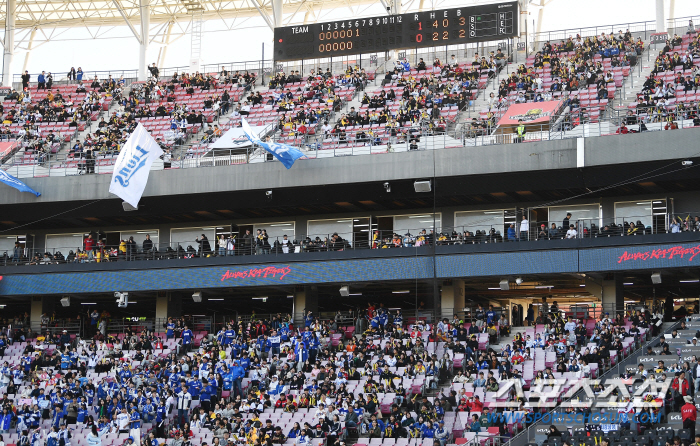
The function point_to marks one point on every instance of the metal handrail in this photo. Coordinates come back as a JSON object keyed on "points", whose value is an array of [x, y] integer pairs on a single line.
{"points": [[476, 233]]}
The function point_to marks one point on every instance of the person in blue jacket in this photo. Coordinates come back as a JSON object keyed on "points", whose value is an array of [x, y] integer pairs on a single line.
{"points": [[374, 322], [284, 333], [205, 395], [398, 318], [170, 329], [245, 362], [273, 343], [314, 345], [427, 431], [65, 360], [490, 315], [5, 421], [308, 320], [187, 339], [475, 426], [302, 354], [161, 419], [41, 81], [229, 335], [510, 234], [135, 418], [237, 374]]}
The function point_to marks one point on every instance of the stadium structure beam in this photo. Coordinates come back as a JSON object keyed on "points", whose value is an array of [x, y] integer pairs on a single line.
{"points": [[9, 42], [540, 14], [660, 16], [126, 19], [96, 13], [29, 50], [523, 21], [166, 42], [277, 13], [263, 14], [672, 10], [145, 13]]}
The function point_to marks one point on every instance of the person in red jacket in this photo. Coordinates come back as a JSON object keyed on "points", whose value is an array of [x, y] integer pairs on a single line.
{"points": [[477, 405], [680, 385], [689, 414]]}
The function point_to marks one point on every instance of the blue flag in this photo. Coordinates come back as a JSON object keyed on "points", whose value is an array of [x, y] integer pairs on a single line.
{"points": [[17, 184], [285, 153]]}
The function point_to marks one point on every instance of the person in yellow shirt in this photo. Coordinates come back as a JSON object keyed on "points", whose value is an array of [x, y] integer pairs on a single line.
{"points": [[122, 248]]}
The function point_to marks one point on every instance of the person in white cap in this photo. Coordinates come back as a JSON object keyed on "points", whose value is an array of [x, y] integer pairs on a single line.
{"points": [[690, 414]]}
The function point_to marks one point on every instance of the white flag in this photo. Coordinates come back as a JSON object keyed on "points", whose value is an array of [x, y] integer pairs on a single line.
{"points": [[133, 166]]}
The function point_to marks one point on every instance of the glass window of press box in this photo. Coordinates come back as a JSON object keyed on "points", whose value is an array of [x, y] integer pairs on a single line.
{"points": [[582, 213], [188, 236], [414, 224], [473, 221]]}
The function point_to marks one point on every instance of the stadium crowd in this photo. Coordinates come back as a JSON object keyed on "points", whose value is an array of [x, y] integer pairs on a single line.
{"points": [[271, 381]]}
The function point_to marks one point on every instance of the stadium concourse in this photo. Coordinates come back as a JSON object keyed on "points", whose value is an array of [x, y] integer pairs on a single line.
{"points": [[322, 383]]}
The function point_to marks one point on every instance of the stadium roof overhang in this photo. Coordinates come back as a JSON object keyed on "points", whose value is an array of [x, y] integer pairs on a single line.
{"points": [[100, 17], [72, 13]]}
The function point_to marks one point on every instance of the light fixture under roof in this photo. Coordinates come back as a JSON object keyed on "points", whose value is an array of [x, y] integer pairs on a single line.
{"points": [[690, 281], [401, 292]]}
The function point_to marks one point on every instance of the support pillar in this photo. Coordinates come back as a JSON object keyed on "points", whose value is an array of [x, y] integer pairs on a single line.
{"points": [[164, 49], [305, 300], [298, 306], [660, 16], [9, 43], [40, 305], [145, 13], [308, 16], [522, 38], [452, 298], [613, 296], [29, 50], [162, 300], [277, 13]]}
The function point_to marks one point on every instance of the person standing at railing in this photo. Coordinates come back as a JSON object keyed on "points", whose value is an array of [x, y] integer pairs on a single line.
{"points": [[41, 81], [89, 245], [147, 245], [222, 245], [520, 131], [25, 80], [524, 229]]}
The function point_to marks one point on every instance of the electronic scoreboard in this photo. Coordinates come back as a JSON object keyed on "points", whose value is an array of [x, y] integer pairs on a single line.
{"points": [[383, 33]]}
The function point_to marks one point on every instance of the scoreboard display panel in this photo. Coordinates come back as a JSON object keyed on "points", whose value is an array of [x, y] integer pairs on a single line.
{"points": [[383, 33]]}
